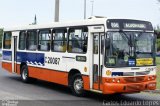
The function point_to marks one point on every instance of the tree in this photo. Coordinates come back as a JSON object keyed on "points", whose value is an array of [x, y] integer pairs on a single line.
{"points": [[157, 33], [1, 33]]}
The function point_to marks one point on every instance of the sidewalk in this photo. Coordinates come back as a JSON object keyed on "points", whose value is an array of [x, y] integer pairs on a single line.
{"points": [[153, 91]]}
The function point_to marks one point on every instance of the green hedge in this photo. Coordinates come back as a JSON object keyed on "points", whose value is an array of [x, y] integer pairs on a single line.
{"points": [[158, 44], [1, 33]]}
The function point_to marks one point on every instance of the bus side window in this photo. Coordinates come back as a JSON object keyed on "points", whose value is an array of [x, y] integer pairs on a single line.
{"points": [[7, 40], [44, 40], [32, 40], [22, 40], [78, 40], [59, 43]]}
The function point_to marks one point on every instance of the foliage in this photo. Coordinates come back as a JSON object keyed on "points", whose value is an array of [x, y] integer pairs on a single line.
{"points": [[157, 33], [157, 29], [1, 33], [158, 44], [158, 72]]}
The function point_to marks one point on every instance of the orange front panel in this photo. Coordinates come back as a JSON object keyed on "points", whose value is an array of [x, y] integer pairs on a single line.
{"points": [[128, 84], [7, 66]]}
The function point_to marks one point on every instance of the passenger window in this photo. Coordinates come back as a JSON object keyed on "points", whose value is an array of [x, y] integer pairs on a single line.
{"points": [[44, 40], [22, 41], [31, 40], [78, 38], [7, 40], [59, 43]]}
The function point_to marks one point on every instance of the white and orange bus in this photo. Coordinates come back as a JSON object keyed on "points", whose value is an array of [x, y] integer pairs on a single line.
{"points": [[102, 55]]}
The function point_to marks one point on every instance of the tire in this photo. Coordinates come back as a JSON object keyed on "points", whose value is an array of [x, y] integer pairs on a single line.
{"points": [[24, 74], [77, 85]]}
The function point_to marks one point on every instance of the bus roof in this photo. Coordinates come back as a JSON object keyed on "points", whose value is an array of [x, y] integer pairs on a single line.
{"points": [[91, 21], [95, 20]]}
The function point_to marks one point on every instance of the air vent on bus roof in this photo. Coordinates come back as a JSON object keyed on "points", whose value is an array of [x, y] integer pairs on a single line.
{"points": [[94, 17]]}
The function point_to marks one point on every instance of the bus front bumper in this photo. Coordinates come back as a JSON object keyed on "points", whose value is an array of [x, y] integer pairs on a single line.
{"points": [[111, 88]]}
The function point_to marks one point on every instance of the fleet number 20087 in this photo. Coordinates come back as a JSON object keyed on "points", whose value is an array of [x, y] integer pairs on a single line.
{"points": [[52, 60]]}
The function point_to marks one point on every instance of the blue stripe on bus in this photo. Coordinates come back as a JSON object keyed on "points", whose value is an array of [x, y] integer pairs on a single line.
{"points": [[7, 55], [117, 73], [29, 58]]}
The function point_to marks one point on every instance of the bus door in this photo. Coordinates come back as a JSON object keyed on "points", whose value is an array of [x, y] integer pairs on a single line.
{"points": [[14, 51], [98, 49]]}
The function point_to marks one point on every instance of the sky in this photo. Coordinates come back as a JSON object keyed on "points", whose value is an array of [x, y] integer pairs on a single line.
{"points": [[22, 12]]}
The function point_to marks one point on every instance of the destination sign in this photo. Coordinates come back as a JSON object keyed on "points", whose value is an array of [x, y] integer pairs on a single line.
{"points": [[134, 25], [129, 24]]}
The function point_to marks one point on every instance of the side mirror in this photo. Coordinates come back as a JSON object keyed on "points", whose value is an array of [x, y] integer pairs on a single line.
{"points": [[107, 43]]}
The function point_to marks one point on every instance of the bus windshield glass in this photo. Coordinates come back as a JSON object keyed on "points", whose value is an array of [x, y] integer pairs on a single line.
{"points": [[130, 49]]}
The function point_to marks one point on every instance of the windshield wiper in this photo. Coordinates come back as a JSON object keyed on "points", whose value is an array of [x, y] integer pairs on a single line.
{"points": [[140, 34], [125, 36]]}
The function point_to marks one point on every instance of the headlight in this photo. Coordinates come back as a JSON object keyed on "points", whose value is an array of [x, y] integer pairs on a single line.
{"points": [[118, 81]]}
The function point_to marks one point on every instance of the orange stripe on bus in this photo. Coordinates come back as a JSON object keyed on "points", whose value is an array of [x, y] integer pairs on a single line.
{"points": [[48, 75], [18, 69], [58, 77], [86, 82], [7, 66]]}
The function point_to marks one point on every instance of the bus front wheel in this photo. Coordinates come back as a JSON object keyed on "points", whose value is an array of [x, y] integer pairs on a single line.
{"points": [[24, 74], [77, 85]]}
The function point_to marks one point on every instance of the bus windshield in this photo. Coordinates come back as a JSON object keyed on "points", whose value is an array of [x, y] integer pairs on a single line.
{"points": [[129, 49]]}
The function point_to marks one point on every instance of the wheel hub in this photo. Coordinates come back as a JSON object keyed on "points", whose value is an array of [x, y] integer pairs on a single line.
{"points": [[78, 85], [25, 74]]}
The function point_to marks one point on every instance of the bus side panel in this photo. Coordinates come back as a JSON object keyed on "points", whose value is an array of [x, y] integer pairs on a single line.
{"points": [[7, 60], [7, 66], [18, 69], [59, 77], [82, 67], [86, 82], [21, 58], [36, 68]]}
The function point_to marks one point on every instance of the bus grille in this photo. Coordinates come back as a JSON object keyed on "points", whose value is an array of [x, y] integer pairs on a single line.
{"points": [[135, 87], [134, 79]]}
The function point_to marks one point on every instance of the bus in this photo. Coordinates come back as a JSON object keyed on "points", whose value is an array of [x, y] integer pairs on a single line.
{"points": [[99, 54]]}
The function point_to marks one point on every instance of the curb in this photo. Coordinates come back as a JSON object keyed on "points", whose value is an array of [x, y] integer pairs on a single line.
{"points": [[153, 91]]}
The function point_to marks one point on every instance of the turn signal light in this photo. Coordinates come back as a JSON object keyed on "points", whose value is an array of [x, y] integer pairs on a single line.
{"points": [[112, 80], [118, 81], [151, 78]]}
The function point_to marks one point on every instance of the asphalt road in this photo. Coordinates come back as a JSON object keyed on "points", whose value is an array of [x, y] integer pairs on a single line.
{"points": [[42, 93]]}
